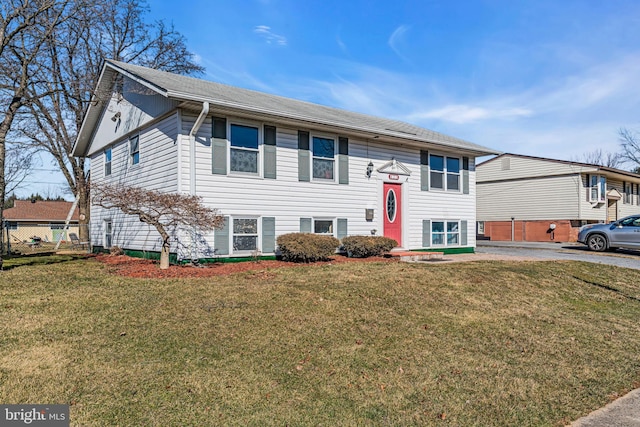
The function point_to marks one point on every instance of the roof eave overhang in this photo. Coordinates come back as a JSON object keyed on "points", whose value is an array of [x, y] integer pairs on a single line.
{"points": [[363, 131]]}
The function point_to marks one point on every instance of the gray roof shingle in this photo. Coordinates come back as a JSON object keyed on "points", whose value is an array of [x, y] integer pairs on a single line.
{"points": [[180, 87]]}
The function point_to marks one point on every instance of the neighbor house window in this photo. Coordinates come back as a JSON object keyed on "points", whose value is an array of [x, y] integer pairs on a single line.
{"points": [[323, 226], [244, 149], [107, 162], [134, 149], [11, 225], [445, 233], [108, 233], [597, 188], [245, 234], [445, 173], [323, 158], [481, 228], [627, 192]]}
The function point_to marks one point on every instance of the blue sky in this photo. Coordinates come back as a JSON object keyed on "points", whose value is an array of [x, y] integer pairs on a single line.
{"points": [[545, 78]]}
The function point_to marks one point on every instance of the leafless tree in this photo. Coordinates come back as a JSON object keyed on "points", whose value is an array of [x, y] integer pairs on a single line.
{"points": [[17, 166], [25, 27], [164, 211], [113, 29], [630, 143], [602, 158]]}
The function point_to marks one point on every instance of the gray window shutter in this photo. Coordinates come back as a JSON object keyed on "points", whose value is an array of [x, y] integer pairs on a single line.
{"points": [[343, 160], [465, 175], [270, 152], [426, 233], [424, 170], [221, 238], [463, 233], [304, 156], [342, 228], [268, 235], [305, 225], [219, 146]]}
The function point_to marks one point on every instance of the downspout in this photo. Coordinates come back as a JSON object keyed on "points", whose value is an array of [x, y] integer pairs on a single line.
{"points": [[192, 167], [192, 147]]}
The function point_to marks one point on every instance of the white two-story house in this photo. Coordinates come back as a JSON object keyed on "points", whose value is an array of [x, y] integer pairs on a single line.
{"points": [[271, 166]]}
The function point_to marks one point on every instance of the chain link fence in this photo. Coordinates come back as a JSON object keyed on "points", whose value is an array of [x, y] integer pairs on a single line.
{"points": [[31, 238]]}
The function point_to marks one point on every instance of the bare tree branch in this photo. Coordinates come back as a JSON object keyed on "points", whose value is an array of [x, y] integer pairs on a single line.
{"points": [[164, 211]]}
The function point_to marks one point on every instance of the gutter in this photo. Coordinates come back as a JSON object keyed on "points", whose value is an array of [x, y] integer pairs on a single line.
{"points": [[192, 146]]}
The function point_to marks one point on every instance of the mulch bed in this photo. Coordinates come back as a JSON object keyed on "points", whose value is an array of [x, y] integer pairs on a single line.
{"points": [[127, 266]]}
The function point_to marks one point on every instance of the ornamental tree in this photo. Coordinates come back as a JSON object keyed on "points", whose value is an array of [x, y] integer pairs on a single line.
{"points": [[163, 211]]}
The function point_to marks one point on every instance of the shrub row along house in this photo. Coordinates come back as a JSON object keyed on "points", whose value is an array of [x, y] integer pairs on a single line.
{"points": [[525, 198], [271, 166]]}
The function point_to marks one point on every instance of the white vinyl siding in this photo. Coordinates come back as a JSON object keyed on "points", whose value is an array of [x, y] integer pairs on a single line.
{"points": [[157, 170]]}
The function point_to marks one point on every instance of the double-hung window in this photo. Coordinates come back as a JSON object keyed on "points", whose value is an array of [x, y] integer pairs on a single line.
{"points": [[597, 188], [107, 162], [134, 149], [445, 172], [323, 158], [244, 149], [245, 234], [445, 233]]}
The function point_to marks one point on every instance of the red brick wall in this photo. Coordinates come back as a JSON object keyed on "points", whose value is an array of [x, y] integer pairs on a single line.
{"points": [[531, 231]]}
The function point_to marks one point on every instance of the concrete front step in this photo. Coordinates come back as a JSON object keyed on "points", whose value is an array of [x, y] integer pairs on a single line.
{"points": [[415, 256]]}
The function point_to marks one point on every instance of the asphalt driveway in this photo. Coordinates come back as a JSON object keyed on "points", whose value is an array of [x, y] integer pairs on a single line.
{"points": [[560, 251]]}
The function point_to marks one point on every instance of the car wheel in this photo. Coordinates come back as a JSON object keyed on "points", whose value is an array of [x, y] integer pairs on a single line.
{"points": [[597, 242]]}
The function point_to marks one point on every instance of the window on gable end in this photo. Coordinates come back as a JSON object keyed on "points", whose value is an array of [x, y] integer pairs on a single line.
{"points": [[107, 162], [134, 149]]}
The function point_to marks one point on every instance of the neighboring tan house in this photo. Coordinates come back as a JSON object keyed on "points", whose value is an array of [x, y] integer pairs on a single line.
{"points": [[39, 218], [527, 198], [272, 165]]}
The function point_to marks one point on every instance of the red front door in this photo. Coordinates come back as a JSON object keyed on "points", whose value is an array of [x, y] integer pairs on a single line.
{"points": [[392, 211]]}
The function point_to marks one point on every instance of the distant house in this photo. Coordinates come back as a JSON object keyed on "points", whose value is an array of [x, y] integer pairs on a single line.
{"points": [[272, 165], [527, 198], [38, 218]]}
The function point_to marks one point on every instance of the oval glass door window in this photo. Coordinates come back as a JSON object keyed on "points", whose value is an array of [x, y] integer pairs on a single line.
{"points": [[391, 206]]}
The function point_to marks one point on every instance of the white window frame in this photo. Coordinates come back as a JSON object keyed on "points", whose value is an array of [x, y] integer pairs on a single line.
{"points": [[480, 228], [324, 219], [446, 233], [107, 230], [133, 160], [108, 160], [638, 194], [445, 173], [257, 234], [313, 157], [597, 189], [258, 151]]}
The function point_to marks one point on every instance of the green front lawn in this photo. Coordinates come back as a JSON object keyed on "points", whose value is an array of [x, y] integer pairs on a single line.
{"points": [[485, 343]]}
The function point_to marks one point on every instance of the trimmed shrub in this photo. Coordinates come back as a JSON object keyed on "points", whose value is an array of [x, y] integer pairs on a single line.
{"points": [[366, 246], [306, 247]]}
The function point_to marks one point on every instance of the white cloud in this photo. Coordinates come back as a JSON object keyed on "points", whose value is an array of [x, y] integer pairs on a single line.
{"points": [[466, 113], [271, 38], [396, 39]]}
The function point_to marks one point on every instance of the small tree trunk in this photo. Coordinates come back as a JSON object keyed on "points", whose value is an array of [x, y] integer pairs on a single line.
{"points": [[164, 255]]}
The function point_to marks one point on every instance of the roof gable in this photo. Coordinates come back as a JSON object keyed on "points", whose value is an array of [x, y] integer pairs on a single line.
{"points": [[45, 211], [189, 89]]}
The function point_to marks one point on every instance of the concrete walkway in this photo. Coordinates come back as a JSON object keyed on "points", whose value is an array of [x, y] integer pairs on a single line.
{"points": [[623, 412]]}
